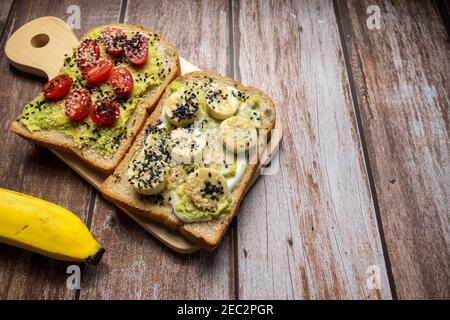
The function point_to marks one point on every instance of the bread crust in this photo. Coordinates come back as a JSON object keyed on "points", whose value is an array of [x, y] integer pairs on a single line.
{"points": [[59, 141], [205, 234]]}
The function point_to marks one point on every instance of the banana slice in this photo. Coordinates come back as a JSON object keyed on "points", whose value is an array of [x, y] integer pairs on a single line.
{"points": [[206, 188], [221, 102], [187, 145], [148, 172], [182, 107], [238, 134]]}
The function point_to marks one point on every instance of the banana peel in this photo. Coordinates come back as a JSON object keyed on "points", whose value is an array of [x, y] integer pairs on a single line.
{"points": [[45, 228]]}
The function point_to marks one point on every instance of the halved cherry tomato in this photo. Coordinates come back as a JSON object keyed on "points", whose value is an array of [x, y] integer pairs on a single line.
{"points": [[136, 49], [57, 88], [87, 53], [121, 81], [78, 103], [114, 40], [98, 72], [104, 113]]}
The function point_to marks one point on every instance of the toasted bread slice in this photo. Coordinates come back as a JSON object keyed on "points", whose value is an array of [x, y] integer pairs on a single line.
{"points": [[59, 140], [207, 234]]}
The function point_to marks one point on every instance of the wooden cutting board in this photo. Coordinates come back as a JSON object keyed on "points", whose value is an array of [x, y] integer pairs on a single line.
{"points": [[38, 47]]}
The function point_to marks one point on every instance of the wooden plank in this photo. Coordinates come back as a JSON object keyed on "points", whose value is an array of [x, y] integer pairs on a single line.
{"points": [[309, 231], [34, 170], [135, 265], [5, 7], [199, 31], [402, 76]]}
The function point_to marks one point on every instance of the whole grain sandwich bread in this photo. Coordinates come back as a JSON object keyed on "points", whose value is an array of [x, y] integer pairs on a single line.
{"points": [[195, 156], [105, 90]]}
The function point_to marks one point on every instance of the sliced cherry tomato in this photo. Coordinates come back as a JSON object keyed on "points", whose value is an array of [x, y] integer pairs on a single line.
{"points": [[136, 49], [98, 72], [57, 88], [114, 40], [87, 53], [105, 113], [121, 81], [78, 103]]}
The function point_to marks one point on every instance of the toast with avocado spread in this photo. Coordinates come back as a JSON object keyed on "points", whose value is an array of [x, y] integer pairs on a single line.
{"points": [[105, 90], [193, 159]]}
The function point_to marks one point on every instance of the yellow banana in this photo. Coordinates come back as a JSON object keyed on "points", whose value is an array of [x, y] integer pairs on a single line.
{"points": [[45, 228]]}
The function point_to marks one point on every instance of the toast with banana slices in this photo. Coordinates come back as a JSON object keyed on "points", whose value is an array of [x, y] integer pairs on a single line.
{"points": [[105, 91], [195, 156]]}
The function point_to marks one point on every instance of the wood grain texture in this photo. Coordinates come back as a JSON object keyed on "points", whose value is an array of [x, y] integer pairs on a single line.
{"points": [[402, 77], [136, 266], [310, 230], [198, 30], [5, 8], [34, 170]]}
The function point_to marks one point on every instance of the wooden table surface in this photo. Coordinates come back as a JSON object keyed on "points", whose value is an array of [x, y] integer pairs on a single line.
{"points": [[364, 170]]}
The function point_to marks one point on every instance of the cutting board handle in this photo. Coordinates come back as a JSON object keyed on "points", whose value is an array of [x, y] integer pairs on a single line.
{"points": [[38, 47]]}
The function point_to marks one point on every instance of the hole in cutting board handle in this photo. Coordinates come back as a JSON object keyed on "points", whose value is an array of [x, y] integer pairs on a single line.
{"points": [[40, 40]]}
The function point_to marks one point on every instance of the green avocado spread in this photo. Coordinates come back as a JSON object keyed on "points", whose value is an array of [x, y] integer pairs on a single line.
{"points": [[40, 114], [186, 207]]}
